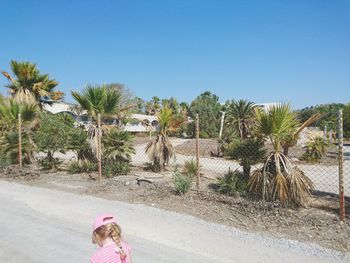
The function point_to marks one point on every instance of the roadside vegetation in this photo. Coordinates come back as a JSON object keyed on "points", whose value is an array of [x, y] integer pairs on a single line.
{"points": [[259, 140]]}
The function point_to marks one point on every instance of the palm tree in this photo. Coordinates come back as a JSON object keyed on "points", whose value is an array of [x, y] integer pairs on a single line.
{"points": [[118, 145], [279, 179], [29, 82], [239, 115], [160, 149], [293, 139], [16, 118], [98, 101]]}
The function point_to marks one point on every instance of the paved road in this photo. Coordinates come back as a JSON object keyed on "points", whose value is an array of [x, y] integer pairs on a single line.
{"points": [[43, 225]]}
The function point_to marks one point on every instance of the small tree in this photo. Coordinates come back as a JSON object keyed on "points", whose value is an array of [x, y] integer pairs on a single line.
{"points": [[248, 153], [208, 107], [51, 137]]}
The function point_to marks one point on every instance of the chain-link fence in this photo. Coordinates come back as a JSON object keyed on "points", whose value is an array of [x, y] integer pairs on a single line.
{"points": [[314, 151]]}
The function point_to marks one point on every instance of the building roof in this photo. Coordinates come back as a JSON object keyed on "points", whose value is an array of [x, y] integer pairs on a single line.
{"points": [[142, 117], [58, 107]]}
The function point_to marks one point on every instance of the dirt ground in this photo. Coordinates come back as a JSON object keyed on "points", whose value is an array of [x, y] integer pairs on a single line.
{"points": [[208, 147], [318, 223]]}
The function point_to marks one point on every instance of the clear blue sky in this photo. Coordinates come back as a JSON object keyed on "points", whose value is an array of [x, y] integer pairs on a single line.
{"points": [[264, 51]]}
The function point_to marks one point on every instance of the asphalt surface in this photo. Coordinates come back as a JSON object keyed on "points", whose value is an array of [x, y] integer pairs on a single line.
{"points": [[43, 225]]}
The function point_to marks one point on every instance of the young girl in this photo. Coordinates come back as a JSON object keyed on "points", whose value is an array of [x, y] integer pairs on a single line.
{"points": [[107, 234]]}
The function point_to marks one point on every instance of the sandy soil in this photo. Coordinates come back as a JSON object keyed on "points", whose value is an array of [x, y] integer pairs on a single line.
{"points": [[318, 223]]}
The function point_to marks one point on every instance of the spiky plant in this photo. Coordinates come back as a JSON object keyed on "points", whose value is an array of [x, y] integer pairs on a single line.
{"points": [[29, 82], [293, 138], [16, 122], [248, 152], [190, 167], [9, 147], [117, 145], [279, 179], [315, 149], [239, 116], [160, 149]]}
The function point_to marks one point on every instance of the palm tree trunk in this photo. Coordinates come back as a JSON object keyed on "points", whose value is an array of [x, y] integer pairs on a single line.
{"points": [[20, 141], [99, 150]]}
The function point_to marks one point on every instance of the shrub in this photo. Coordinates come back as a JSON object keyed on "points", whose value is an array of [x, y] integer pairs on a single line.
{"points": [[77, 167], [4, 161], [315, 149], [53, 136], [49, 162], [113, 168], [182, 182], [190, 168], [78, 142], [232, 183], [248, 153], [117, 145]]}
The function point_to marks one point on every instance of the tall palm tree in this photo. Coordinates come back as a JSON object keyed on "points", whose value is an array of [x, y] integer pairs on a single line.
{"points": [[98, 100], [239, 115], [279, 179], [160, 149], [29, 82]]}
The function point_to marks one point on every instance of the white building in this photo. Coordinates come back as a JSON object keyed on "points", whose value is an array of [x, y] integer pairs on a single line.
{"points": [[136, 122]]}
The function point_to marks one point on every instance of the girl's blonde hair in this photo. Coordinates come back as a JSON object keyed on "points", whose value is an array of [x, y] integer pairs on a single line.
{"points": [[110, 230]]}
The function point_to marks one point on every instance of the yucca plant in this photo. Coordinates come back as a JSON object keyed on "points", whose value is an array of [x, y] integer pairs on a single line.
{"points": [[182, 181], [315, 149], [279, 179], [232, 183]]}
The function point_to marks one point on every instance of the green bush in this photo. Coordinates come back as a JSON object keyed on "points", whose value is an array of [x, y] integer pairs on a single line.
{"points": [[77, 167], [4, 161], [248, 153], [182, 182], [315, 150], [232, 183], [49, 162], [53, 136], [113, 168]]}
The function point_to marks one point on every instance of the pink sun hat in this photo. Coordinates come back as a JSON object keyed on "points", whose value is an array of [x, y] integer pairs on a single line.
{"points": [[102, 220]]}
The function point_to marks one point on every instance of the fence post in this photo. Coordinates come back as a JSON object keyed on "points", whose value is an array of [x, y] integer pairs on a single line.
{"points": [[20, 140], [341, 167], [99, 150], [197, 151]]}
